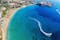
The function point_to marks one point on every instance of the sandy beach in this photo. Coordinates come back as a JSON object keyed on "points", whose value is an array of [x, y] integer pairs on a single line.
{"points": [[6, 21]]}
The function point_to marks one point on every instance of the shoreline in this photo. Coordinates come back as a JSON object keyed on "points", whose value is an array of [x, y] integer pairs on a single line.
{"points": [[7, 19], [6, 22]]}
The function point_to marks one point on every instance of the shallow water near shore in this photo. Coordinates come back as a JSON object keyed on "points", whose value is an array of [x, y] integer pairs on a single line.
{"points": [[22, 28]]}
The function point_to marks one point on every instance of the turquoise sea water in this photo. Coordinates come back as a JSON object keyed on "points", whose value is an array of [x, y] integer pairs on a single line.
{"points": [[23, 28]]}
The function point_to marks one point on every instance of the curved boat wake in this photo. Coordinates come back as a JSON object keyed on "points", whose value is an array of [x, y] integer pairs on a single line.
{"points": [[40, 27], [58, 11]]}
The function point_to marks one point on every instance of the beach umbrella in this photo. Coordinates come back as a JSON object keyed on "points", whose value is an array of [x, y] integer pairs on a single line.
{"points": [[35, 22]]}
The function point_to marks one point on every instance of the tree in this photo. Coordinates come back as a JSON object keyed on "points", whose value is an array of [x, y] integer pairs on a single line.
{"points": [[0, 1]]}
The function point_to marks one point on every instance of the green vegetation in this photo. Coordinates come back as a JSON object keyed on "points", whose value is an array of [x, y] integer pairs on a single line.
{"points": [[30, 2], [5, 11], [2, 5], [0, 1]]}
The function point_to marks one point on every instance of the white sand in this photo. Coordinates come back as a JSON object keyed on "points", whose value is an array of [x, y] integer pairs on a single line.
{"points": [[6, 21]]}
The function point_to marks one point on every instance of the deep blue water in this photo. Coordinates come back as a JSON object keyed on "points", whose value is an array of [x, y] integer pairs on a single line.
{"points": [[22, 28]]}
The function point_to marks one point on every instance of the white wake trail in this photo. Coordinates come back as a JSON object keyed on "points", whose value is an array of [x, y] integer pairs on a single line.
{"points": [[58, 11], [40, 27]]}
